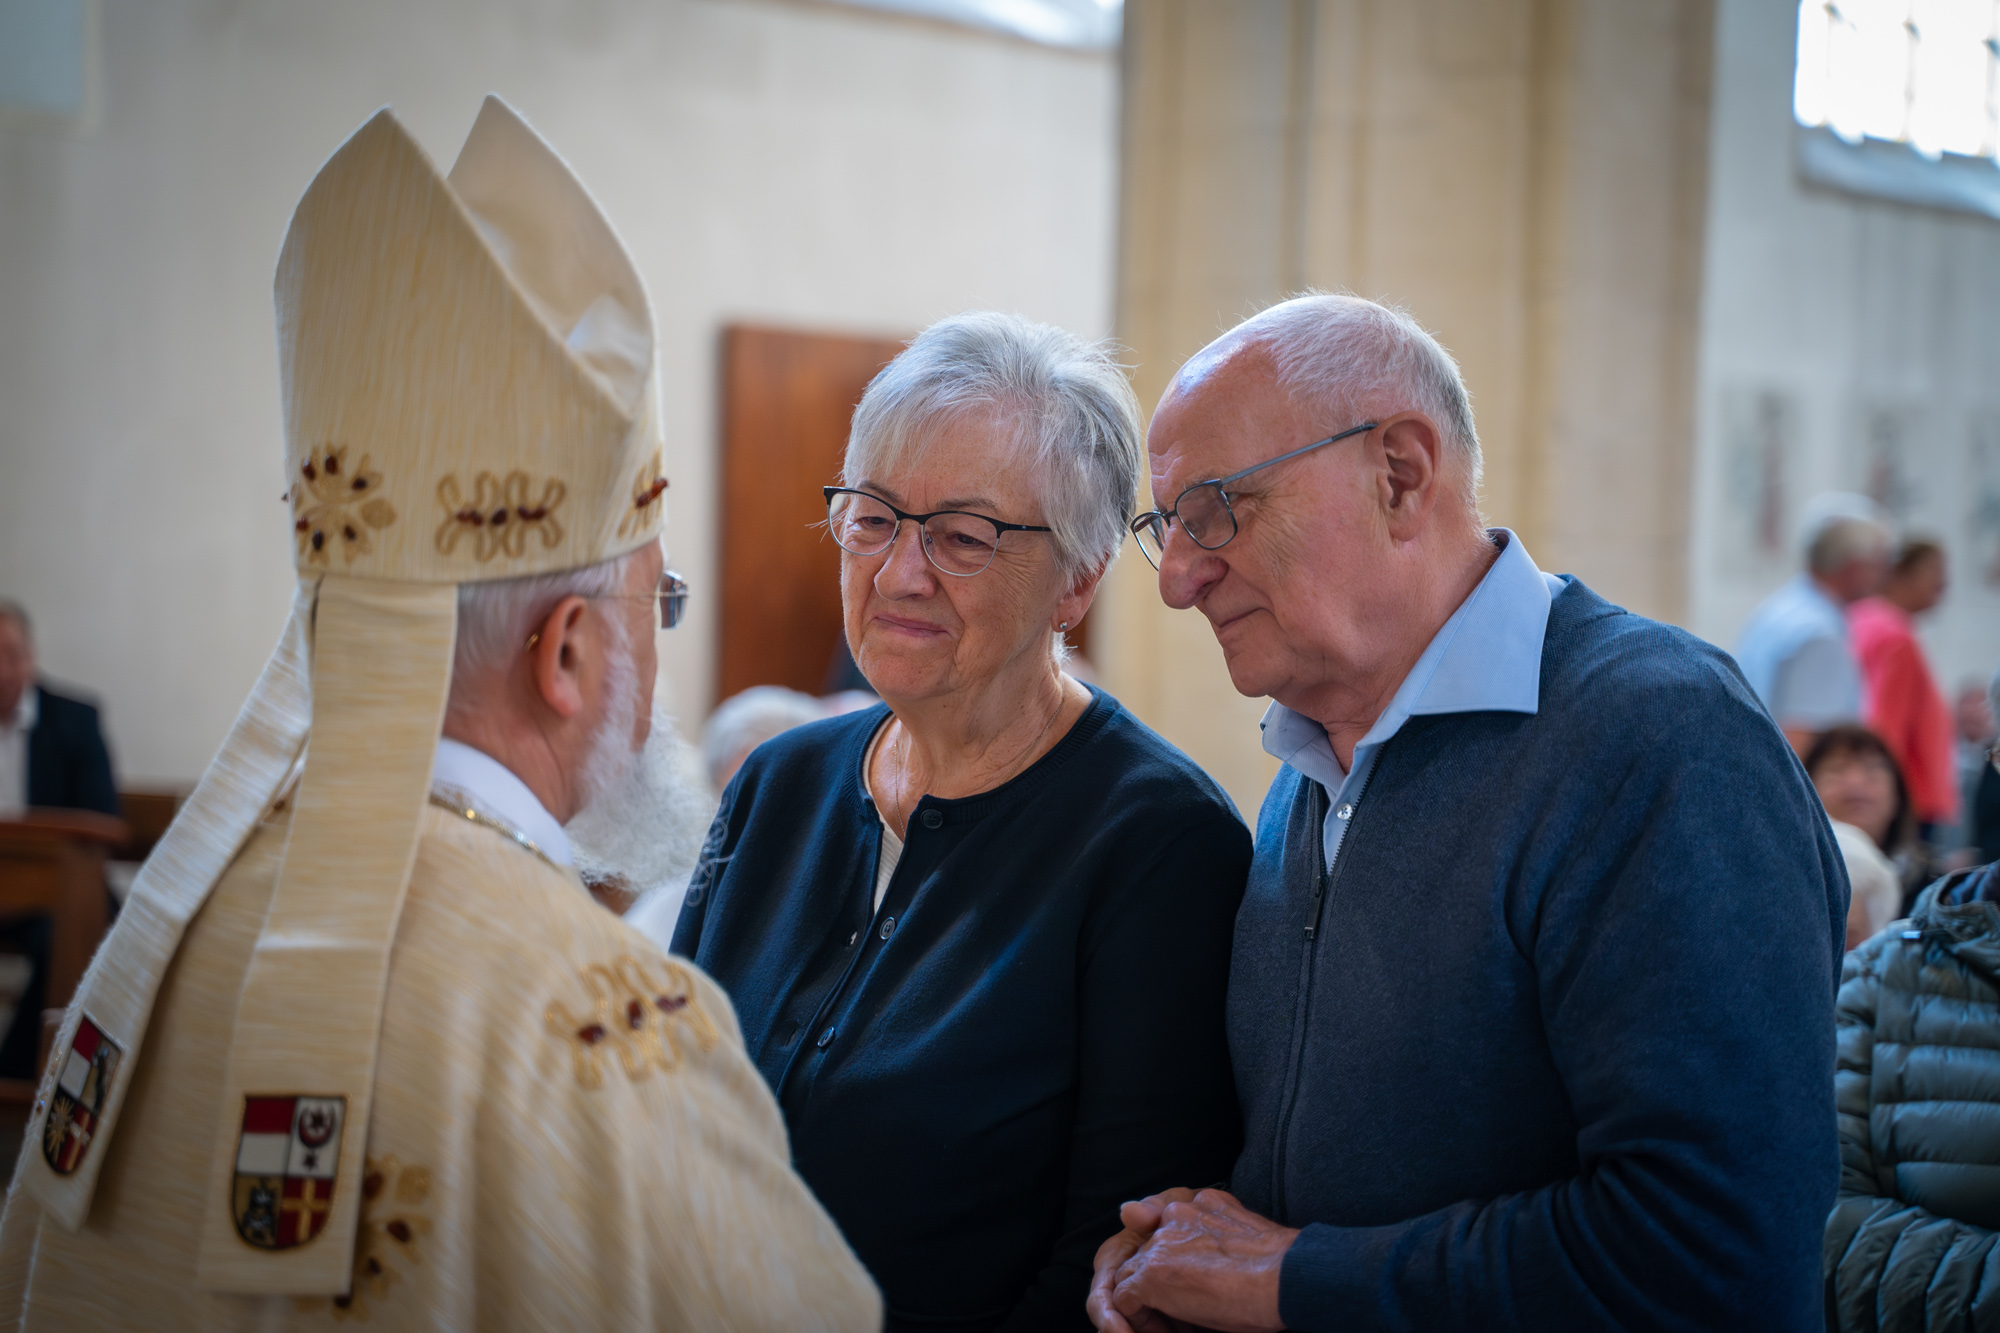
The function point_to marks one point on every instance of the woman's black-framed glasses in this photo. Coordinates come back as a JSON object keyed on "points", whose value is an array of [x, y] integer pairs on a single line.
{"points": [[1202, 510], [958, 543]]}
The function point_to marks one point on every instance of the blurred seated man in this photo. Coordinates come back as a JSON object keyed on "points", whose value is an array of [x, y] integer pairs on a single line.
{"points": [[52, 754], [1795, 650]]}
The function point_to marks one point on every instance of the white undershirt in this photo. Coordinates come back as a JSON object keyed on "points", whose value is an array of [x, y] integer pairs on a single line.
{"points": [[891, 848], [14, 750], [493, 790]]}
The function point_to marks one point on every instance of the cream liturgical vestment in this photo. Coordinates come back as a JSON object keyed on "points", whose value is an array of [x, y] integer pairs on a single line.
{"points": [[356, 1049]]}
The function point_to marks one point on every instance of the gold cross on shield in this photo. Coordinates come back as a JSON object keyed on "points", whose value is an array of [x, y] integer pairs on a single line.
{"points": [[308, 1207]]}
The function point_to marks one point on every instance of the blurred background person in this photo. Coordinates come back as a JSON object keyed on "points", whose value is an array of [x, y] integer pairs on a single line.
{"points": [[745, 721], [1914, 1240], [52, 755], [1901, 699], [1862, 788], [978, 936], [52, 751], [1978, 718], [1795, 650]]}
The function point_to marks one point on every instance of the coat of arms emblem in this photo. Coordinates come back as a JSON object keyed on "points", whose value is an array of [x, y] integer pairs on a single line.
{"points": [[285, 1164], [77, 1104]]}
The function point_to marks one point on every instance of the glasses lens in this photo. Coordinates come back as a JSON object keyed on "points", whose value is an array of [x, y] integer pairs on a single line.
{"points": [[1152, 534], [1205, 517], [960, 544], [861, 524], [673, 599]]}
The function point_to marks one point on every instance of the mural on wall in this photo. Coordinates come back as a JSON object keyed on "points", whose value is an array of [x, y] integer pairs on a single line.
{"points": [[1760, 435], [1888, 439], [1982, 492]]}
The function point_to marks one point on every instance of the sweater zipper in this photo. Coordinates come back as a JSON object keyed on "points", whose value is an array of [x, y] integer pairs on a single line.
{"points": [[1317, 803], [1320, 802]]}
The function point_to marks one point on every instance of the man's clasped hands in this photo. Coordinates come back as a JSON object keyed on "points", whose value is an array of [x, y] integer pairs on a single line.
{"points": [[1190, 1259]]}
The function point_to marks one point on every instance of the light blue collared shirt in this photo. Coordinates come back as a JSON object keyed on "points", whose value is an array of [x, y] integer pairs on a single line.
{"points": [[1486, 658]]}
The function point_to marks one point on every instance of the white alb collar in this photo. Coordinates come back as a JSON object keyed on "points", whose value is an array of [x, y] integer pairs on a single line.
{"points": [[490, 788]]}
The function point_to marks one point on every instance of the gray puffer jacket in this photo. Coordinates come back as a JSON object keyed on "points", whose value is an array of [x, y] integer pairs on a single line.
{"points": [[1914, 1241]]}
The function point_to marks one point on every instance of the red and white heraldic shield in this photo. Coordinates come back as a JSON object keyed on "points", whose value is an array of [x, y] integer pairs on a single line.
{"points": [[77, 1102], [285, 1162]]}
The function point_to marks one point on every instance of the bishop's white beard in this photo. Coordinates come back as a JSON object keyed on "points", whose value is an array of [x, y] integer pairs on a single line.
{"points": [[644, 813]]}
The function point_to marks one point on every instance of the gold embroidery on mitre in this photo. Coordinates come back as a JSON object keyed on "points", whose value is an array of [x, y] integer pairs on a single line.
{"points": [[499, 515], [393, 1199], [635, 1014], [335, 505], [647, 488]]}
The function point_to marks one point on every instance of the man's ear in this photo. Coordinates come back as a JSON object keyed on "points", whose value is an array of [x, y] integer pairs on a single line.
{"points": [[1412, 463], [555, 655]]}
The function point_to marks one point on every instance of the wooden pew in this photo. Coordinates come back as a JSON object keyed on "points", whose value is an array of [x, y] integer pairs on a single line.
{"points": [[52, 864]]}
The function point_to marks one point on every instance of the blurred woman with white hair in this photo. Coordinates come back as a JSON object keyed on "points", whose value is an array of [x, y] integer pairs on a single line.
{"points": [[978, 937]]}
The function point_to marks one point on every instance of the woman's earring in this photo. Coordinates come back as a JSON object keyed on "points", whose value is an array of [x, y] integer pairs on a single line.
{"points": [[1060, 628]]}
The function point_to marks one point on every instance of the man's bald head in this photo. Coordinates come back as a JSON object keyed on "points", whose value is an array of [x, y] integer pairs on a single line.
{"points": [[1346, 359]]}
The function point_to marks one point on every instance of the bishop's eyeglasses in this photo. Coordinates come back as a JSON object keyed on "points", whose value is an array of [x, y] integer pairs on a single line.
{"points": [[1202, 510], [958, 543], [671, 594]]}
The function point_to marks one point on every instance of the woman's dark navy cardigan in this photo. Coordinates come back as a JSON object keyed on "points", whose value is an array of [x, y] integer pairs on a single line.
{"points": [[1027, 1034]]}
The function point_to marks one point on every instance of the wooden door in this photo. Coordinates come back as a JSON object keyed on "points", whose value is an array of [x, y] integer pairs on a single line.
{"points": [[787, 398]]}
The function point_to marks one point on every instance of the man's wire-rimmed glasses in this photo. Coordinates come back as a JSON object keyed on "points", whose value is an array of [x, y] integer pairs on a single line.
{"points": [[671, 596], [958, 543], [1203, 511]]}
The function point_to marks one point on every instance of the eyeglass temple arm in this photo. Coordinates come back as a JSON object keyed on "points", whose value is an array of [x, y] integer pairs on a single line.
{"points": [[1283, 458]]}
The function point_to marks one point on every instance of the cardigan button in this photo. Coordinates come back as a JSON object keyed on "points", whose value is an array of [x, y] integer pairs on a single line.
{"points": [[888, 927], [933, 818], [825, 1039]]}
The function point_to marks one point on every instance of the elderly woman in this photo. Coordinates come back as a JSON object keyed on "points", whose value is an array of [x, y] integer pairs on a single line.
{"points": [[978, 937]]}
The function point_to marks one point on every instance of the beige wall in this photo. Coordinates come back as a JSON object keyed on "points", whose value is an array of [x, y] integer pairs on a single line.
{"points": [[1525, 177], [784, 163]]}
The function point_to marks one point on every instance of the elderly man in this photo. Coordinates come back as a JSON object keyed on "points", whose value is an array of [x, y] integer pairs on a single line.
{"points": [[361, 1045], [1796, 649], [1531, 1006]]}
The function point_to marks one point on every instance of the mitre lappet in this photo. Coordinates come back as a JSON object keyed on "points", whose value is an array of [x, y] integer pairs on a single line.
{"points": [[467, 365]]}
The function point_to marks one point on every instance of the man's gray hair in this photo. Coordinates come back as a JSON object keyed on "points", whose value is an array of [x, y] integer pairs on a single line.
{"points": [[1353, 360], [14, 611], [745, 720], [1843, 539], [495, 618], [1064, 402]]}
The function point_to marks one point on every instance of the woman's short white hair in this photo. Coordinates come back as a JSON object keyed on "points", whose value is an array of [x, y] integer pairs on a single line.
{"points": [[1353, 360], [496, 617], [1064, 402]]}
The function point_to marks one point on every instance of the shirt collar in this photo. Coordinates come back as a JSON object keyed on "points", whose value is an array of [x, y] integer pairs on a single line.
{"points": [[490, 788], [1486, 658], [28, 711]]}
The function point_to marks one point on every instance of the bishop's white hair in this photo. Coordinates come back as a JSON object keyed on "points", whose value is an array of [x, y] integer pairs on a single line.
{"points": [[1353, 360], [496, 617]]}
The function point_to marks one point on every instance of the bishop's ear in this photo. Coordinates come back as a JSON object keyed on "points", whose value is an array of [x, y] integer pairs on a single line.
{"points": [[555, 657]]}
